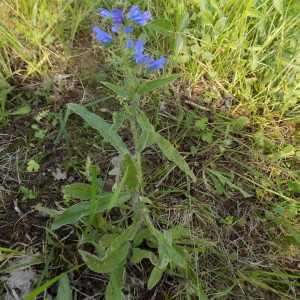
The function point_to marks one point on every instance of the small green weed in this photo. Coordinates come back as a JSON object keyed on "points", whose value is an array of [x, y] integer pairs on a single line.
{"points": [[27, 193]]}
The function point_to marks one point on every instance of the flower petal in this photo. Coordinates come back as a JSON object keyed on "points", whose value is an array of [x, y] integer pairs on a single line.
{"points": [[139, 46], [115, 28], [102, 36], [142, 59], [117, 15], [105, 13], [137, 16], [129, 43], [127, 30], [158, 64]]}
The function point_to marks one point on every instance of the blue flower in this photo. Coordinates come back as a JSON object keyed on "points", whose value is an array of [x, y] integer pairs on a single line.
{"points": [[105, 13], [129, 43], [115, 28], [116, 15], [139, 45], [128, 29], [142, 59], [137, 16], [158, 64], [102, 36]]}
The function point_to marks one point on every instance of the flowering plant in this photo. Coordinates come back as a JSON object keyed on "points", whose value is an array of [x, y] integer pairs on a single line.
{"points": [[130, 186], [122, 26]]}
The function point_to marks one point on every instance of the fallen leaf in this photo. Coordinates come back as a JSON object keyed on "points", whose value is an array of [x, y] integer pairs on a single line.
{"points": [[58, 175]]}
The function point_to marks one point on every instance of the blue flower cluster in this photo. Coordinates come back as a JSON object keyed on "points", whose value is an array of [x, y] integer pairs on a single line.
{"points": [[143, 59], [140, 18]]}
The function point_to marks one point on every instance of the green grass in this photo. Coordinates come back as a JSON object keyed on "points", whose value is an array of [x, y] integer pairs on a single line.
{"points": [[242, 215]]}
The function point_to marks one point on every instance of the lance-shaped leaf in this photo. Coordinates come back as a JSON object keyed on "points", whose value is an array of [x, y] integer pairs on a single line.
{"points": [[72, 214], [172, 154], [147, 137], [154, 84], [121, 92], [102, 126]]}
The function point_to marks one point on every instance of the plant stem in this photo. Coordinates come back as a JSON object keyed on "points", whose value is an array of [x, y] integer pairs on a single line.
{"points": [[131, 111]]}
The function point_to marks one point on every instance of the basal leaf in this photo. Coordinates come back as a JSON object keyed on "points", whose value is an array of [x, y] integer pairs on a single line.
{"points": [[115, 284], [127, 235], [81, 191], [72, 214], [64, 290], [139, 254], [109, 263], [102, 126]]}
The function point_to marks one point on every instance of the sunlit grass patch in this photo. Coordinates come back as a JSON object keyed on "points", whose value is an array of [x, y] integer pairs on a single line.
{"points": [[37, 36]]}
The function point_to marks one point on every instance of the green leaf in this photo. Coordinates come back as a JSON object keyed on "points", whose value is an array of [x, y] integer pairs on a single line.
{"points": [[64, 290], [116, 193], [112, 260], [72, 214], [201, 124], [115, 255], [162, 26], [24, 110], [224, 180], [127, 235], [144, 122], [154, 84], [32, 166], [278, 4], [48, 283], [155, 277], [242, 121], [81, 191], [208, 56], [131, 179], [172, 154], [179, 44], [207, 137], [121, 92], [118, 118], [254, 61], [115, 284], [255, 13], [294, 186], [220, 25], [144, 234], [146, 139], [175, 257], [102, 126], [179, 232], [279, 209], [138, 255], [184, 22]]}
